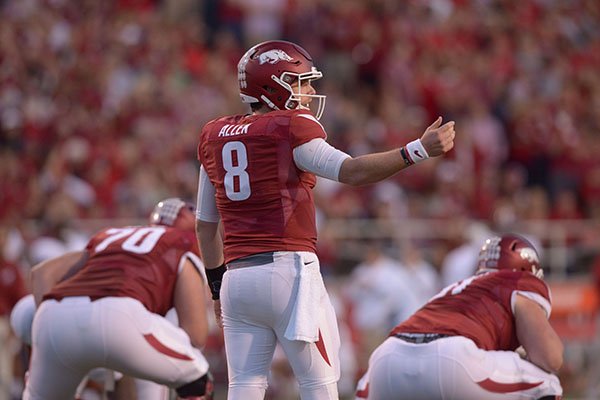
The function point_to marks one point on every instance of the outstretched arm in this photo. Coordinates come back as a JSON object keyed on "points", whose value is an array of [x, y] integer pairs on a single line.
{"points": [[543, 346], [370, 168]]}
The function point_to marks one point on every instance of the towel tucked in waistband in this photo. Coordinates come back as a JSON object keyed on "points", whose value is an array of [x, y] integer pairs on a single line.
{"points": [[304, 320]]}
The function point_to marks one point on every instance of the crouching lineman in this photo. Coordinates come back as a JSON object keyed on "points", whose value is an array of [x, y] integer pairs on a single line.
{"points": [[108, 306], [461, 344]]}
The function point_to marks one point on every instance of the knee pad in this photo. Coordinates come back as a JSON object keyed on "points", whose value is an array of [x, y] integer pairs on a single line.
{"points": [[202, 386]]}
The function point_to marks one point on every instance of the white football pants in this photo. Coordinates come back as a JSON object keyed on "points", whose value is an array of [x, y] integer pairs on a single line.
{"points": [[257, 303], [75, 335], [453, 368]]}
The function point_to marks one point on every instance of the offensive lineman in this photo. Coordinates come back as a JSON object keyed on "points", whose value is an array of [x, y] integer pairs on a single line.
{"points": [[462, 344], [107, 311], [256, 181]]}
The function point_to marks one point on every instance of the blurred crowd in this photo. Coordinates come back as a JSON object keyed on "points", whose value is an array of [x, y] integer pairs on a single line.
{"points": [[101, 104]]}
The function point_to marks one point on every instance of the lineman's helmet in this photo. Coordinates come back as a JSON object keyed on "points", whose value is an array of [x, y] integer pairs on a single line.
{"points": [[509, 251], [167, 211]]}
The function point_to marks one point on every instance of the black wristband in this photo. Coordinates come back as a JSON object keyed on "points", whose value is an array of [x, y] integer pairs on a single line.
{"points": [[405, 156], [215, 276]]}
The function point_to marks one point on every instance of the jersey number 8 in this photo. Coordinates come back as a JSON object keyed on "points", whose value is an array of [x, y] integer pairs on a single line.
{"points": [[236, 172]]}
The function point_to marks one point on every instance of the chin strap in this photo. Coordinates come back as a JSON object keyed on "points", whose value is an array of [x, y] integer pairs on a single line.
{"points": [[269, 102]]}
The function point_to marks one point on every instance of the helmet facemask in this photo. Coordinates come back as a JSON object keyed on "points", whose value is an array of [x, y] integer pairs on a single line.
{"points": [[168, 210], [295, 100]]}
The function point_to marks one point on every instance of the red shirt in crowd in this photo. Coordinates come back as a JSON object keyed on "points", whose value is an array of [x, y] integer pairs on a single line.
{"points": [[12, 286]]}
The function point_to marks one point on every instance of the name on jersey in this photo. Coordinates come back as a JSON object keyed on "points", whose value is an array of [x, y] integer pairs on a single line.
{"points": [[233, 130]]}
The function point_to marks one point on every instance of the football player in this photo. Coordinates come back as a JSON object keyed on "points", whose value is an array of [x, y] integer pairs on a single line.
{"points": [[108, 309], [256, 179], [463, 343]]}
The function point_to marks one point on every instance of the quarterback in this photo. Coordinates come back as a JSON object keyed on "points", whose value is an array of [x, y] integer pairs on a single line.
{"points": [[256, 219]]}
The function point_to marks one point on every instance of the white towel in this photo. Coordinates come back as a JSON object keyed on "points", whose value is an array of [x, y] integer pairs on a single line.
{"points": [[304, 320]]}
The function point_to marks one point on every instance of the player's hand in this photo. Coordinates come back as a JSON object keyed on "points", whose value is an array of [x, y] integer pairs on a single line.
{"points": [[438, 139], [218, 316]]}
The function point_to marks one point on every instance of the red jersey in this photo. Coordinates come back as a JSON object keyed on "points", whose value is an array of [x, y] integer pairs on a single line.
{"points": [[12, 286], [479, 308], [264, 200], [141, 262]]}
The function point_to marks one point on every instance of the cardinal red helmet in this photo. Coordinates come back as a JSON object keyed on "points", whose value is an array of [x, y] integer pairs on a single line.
{"points": [[509, 251], [267, 71]]}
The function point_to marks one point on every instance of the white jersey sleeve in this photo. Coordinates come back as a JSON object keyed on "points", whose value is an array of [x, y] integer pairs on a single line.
{"points": [[320, 158], [538, 298], [206, 206]]}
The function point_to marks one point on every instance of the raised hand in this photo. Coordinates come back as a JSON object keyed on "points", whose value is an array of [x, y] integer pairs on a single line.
{"points": [[438, 139]]}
